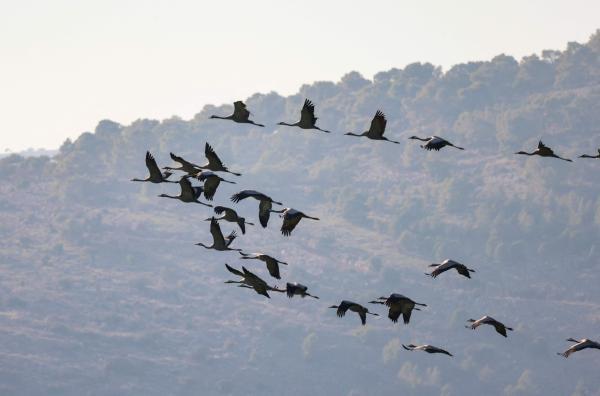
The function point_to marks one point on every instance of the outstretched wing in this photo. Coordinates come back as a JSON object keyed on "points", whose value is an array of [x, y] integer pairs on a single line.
{"points": [[307, 115], [289, 223], [152, 167], [273, 268], [184, 163], [212, 157], [434, 349], [394, 313], [378, 125], [500, 328], [343, 307], [264, 212], [440, 269], [234, 271], [363, 317], [220, 209], [463, 271], [241, 195], [210, 187], [239, 110], [406, 312], [217, 235], [541, 145], [187, 190], [231, 237]]}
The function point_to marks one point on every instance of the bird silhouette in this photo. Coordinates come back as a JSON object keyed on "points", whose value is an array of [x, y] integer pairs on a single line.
{"points": [[434, 143], [377, 129], [264, 207], [155, 174], [543, 151], [488, 320], [219, 242], [240, 114], [398, 304], [346, 305], [448, 265], [188, 193], [307, 118]]}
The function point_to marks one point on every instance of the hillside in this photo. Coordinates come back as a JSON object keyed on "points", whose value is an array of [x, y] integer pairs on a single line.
{"points": [[103, 291]]}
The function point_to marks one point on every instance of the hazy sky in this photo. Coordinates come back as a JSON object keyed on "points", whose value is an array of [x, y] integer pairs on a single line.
{"points": [[65, 65]]}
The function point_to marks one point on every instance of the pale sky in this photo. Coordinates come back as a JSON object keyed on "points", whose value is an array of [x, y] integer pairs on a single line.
{"points": [[65, 65]]}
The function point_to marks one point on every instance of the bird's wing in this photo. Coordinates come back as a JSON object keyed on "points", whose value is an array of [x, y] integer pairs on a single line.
{"points": [[406, 312], [186, 188], [234, 271], [541, 145], [394, 313], [289, 223], [220, 209], [184, 163], [290, 289], [217, 235], [213, 158], [500, 328], [439, 269], [240, 111], [435, 143], [463, 270], [363, 317], [264, 212], [210, 187], [341, 311], [378, 125], [307, 115], [152, 167], [273, 267], [434, 349], [242, 195], [230, 238]]}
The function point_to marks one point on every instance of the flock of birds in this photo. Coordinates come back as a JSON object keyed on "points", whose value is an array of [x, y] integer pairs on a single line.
{"points": [[396, 304]]}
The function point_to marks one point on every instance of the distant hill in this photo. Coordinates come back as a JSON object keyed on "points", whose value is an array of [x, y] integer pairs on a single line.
{"points": [[104, 290]]}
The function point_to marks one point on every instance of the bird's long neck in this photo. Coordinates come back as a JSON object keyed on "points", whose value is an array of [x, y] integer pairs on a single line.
{"points": [[421, 139], [139, 180], [312, 218], [287, 124], [222, 118], [356, 134], [168, 196]]}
